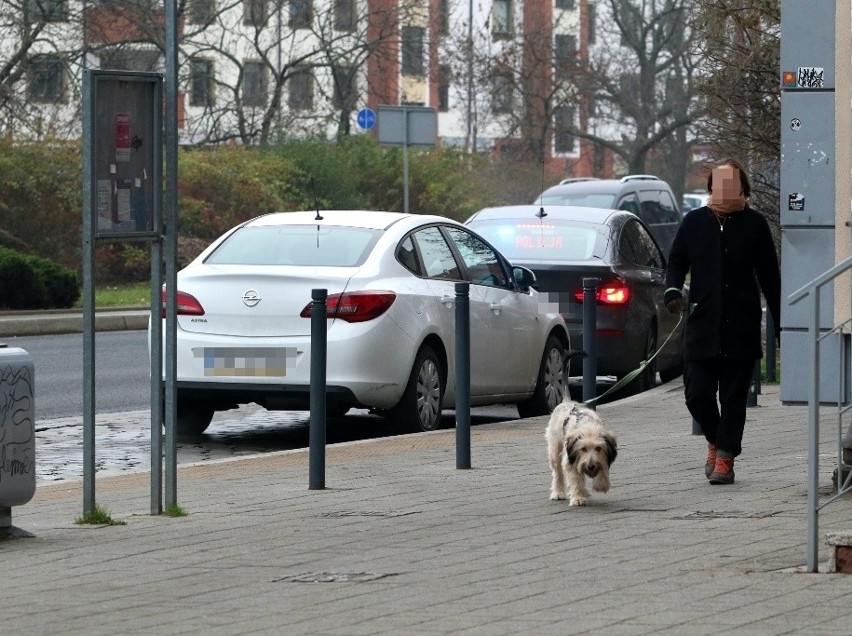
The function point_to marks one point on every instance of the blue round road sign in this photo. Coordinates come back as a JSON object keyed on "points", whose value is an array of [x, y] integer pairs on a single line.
{"points": [[366, 118]]}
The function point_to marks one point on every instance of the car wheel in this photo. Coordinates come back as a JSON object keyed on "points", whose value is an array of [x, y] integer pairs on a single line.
{"points": [[551, 385], [648, 378], [667, 375], [334, 409], [192, 419], [419, 409]]}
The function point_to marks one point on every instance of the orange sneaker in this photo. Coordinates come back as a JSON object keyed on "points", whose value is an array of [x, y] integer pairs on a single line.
{"points": [[710, 462], [723, 471]]}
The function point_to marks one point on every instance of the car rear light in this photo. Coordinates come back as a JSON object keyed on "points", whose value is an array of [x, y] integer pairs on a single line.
{"points": [[611, 293], [187, 304], [355, 306]]}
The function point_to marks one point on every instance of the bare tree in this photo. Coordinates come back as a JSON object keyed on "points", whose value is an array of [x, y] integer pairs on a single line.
{"points": [[740, 84]]}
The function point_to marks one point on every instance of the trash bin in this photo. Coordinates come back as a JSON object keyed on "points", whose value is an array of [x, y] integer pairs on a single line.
{"points": [[17, 433]]}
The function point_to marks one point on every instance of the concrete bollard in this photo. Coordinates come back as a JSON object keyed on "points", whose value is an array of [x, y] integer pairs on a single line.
{"points": [[17, 435]]}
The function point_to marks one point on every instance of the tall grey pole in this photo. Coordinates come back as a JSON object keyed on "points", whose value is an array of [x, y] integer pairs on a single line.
{"points": [[590, 342], [319, 352], [462, 375], [405, 161], [471, 142], [170, 205], [90, 87]]}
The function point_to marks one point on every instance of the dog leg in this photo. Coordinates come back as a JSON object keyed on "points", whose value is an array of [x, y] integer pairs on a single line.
{"points": [[557, 486], [577, 492]]}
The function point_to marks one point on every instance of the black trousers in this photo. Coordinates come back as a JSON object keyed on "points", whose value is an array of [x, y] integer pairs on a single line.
{"points": [[722, 421]]}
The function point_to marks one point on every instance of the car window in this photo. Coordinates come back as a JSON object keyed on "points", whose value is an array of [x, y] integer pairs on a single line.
{"points": [[636, 246], [630, 203], [309, 245], [668, 208], [437, 255], [481, 261], [525, 240], [406, 254], [589, 200]]}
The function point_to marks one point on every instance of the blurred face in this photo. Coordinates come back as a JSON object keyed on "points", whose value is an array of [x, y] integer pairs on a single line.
{"points": [[726, 183]]}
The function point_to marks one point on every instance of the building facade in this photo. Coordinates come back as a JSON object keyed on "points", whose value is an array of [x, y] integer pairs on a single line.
{"points": [[255, 71]]}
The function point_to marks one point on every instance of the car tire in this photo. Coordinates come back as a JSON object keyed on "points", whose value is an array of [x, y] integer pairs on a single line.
{"points": [[551, 384], [336, 410], [419, 409], [646, 380], [667, 375], [192, 419]]}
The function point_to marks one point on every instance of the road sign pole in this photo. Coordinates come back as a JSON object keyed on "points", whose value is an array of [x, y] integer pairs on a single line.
{"points": [[405, 160]]}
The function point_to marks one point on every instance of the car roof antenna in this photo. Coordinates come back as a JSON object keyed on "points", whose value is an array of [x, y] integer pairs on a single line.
{"points": [[318, 217]]}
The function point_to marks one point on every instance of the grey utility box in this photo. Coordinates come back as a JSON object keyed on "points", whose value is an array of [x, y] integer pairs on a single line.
{"points": [[17, 433], [806, 253], [807, 153]]}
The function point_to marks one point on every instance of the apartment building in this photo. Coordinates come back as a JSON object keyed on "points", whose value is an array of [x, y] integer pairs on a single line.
{"points": [[251, 71]]}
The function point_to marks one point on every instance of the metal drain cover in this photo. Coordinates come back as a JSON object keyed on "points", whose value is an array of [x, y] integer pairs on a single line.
{"points": [[333, 577]]}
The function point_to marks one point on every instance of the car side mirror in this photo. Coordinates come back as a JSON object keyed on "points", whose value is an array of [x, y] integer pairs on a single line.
{"points": [[524, 278]]}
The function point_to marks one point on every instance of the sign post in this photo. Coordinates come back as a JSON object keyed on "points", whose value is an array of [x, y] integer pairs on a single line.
{"points": [[407, 126]]}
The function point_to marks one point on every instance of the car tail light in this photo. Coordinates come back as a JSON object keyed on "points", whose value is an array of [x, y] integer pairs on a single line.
{"points": [[187, 304], [355, 306], [611, 293]]}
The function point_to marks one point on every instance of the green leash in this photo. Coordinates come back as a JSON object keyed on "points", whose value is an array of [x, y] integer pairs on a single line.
{"points": [[627, 379]]}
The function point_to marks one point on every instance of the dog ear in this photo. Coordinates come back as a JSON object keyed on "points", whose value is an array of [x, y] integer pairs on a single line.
{"points": [[611, 448], [570, 448]]}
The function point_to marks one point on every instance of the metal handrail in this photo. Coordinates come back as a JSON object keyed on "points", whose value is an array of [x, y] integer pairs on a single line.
{"points": [[812, 290]]}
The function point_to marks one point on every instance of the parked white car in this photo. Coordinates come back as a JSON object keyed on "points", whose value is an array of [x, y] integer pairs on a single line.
{"points": [[244, 326]]}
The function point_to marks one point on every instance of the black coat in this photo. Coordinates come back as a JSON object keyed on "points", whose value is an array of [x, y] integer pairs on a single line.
{"points": [[725, 265]]}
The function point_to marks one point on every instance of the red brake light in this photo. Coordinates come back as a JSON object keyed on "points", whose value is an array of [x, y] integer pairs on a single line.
{"points": [[355, 306], [612, 293], [187, 304]]}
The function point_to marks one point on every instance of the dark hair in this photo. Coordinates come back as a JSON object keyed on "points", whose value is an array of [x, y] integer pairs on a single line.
{"points": [[744, 183]]}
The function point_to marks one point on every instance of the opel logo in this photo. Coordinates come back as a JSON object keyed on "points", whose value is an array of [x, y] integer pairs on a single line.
{"points": [[251, 298]]}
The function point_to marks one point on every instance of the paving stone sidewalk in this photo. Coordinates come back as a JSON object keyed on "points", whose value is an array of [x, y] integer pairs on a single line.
{"points": [[402, 542]]}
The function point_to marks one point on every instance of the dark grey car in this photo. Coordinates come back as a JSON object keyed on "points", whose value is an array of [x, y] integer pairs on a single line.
{"points": [[648, 197], [564, 244]]}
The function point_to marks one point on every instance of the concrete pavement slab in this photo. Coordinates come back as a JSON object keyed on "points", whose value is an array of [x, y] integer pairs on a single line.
{"points": [[401, 541]]}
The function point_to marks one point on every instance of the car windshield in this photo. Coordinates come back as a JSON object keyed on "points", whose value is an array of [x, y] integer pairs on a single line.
{"points": [[551, 240], [313, 245], [585, 199]]}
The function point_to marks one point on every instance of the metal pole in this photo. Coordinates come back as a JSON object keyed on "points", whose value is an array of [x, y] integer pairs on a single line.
{"points": [[590, 343], [470, 141], [405, 161], [156, 378], [770, 347], [813, 435], [462, 375], [751, 398], [89, 96], [319, 349], [170, 204]]}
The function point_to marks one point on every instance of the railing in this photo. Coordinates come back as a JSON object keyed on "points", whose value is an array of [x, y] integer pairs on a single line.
{"points": [[812, 291]]}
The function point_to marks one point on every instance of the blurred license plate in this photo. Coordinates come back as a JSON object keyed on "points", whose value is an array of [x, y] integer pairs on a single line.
{"points": [[247, 362]]}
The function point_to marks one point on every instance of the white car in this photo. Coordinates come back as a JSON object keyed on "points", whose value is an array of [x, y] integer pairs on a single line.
{"points": [[244, 325]]}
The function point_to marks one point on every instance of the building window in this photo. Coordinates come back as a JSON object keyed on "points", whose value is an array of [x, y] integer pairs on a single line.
{"points": [[502, 92], [301, 90], [565, 54], [301, 14], [200, 11], [502, 17], [344, 15], [566, 4], [443, 17], [254, 12], [344, 87], [593, 16], [254, 84], [412, 50], [201, 82], [563, 124], [46, 81], [48, 10], [129, 59], [444, 74]]}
